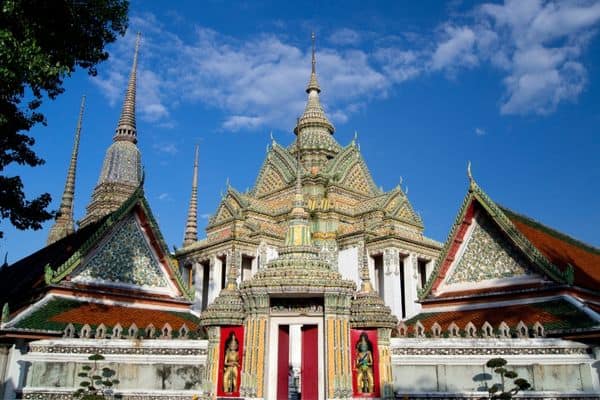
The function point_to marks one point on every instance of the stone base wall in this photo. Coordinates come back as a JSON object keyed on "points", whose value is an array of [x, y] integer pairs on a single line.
{"points": [[455, 368], [149, 369]]}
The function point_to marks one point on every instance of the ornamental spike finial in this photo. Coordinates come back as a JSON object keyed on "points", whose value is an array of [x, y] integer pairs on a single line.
{"points": [[313, 84], [314, 58], [191, 226], [126, 128], [469, 174], [232, 273], [64, 224], [366, 286]]}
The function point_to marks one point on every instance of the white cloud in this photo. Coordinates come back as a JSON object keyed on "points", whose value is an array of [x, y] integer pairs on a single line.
{"points": [[345, 37], [167, 148], [539, 45], [480, 131], [456, 50], [258, 82], [165, 197]]}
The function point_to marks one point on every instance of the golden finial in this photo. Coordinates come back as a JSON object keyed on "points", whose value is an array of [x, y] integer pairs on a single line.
{"points": [[469, 174], [314, 59]]}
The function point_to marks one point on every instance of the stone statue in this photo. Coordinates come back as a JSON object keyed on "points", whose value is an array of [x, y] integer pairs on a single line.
{"points": [[364, 365], [231, 364]]}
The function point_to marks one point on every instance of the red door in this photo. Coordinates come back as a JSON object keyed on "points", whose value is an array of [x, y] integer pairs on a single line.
{"points": [[283, 362], [309, 373]]}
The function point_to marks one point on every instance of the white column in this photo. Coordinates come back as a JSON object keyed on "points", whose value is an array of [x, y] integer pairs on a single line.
{"points": [[392, 291], [198, 276], [296, 348], [410, 285], [214, 283]]}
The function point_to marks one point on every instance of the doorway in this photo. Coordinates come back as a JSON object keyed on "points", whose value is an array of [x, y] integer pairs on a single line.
{"points": [[296, 345]]}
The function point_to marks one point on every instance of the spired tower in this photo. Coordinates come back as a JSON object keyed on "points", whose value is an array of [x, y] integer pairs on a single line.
{"points": [[64, 224], [122, 168], [347, 213], [297, 305]]}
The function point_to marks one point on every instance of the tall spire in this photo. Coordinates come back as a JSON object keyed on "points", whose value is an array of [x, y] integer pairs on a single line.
{"points": [[191, 226], [121, 171], [298, 229], [318, 143], [313, 84], [64, 224], [126, 129]]}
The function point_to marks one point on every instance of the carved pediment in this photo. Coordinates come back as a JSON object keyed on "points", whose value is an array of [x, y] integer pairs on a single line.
{"points": [[124, 258], [488, 254], [277, 172]]}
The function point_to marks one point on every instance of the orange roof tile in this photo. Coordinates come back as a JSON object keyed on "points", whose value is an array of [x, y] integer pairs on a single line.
{"points": [[110, 315], [551, 314], [561, 250]]}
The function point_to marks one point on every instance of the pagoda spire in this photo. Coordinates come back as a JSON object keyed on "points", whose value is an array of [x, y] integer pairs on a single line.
{"points": [[298, 229], [191, 226], [313, 84], [64, 224], [318, 144], [366, 286], [121, 172], [126, 128]]}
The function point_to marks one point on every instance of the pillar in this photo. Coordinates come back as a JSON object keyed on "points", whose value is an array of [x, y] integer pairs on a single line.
{"points": [[198, 284], [211, 380], [338, 372], [410, 285], [214, 285], [386, 378], [392, 291]]}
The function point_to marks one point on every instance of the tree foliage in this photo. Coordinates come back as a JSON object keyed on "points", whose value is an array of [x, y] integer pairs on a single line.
{"points": [[96, 383], [42, 42], [500, 391]]}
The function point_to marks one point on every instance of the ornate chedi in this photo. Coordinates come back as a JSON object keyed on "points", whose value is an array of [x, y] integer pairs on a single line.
{"points": [[122, 167], [346, 209], [191, 226], [64, 224]]}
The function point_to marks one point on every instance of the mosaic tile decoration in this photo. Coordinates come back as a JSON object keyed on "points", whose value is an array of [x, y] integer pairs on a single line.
{"points": [[488, 255], [125, 258]]}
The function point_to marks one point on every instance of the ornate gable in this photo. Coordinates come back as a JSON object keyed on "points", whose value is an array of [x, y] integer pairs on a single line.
{"points": [[487, 254], [484, 246], [224, 213], [124, 258], [277, 172], [399, 207], [349, 170]]}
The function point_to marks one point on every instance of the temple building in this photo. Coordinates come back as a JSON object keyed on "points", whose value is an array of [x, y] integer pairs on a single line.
{"points": [[315, 284]]}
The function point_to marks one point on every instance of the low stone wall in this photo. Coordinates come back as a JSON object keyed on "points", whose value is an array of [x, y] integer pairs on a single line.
{"points": [[148, 369], [455, 368]]}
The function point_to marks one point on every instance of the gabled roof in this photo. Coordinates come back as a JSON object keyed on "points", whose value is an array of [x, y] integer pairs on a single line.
{"points": [[277, 172], [24, 281], [514, 231], [349, 170], [562, 250]]}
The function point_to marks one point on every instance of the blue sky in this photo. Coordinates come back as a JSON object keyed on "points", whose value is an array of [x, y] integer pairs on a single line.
{"points": [[513, 87]]}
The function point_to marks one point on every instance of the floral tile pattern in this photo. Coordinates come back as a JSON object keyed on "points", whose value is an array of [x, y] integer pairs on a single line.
{"points": [[488, 255], [125, 258]]}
